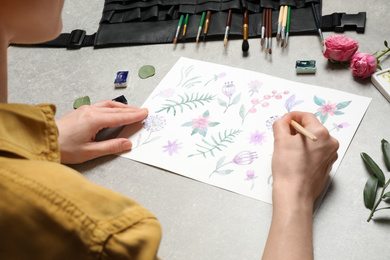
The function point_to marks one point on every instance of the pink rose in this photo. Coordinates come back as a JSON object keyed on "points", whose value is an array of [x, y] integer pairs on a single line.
{"points": [[363, 64], [340, 48]]}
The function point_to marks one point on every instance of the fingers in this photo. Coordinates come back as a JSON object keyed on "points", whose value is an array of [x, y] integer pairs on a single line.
{"points": [[111, 104], [281, 127], [115, 119], [112, 146]]}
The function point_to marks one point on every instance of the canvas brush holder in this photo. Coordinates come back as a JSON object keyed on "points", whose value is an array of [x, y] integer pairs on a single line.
{"points": [[135, 22]]}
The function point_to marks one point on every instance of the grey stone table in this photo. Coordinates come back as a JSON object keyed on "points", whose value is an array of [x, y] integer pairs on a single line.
{"points": [[200, 221]]}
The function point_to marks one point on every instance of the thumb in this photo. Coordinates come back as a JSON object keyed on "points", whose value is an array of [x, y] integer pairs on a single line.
{"points": [[107, 147], [282, 126]]}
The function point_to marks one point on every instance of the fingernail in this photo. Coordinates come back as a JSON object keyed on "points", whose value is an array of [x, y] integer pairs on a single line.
{"points": [[126, 145]]}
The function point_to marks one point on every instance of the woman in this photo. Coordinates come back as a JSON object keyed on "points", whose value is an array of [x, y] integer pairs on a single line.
{"points": [[47, 210]]}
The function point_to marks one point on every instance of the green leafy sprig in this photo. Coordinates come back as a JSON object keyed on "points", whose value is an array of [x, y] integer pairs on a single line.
{"points": [[383, 53], [209, 146], [186, 101], [377, 179]]}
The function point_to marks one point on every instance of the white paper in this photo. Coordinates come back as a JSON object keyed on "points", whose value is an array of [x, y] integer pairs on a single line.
{"points": [[213, 123]]}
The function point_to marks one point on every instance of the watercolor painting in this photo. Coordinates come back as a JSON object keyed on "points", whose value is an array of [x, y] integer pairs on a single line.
{"points": [[213, 123]]}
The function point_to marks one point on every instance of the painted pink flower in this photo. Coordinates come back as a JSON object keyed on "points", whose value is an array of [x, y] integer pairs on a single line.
{"points": [[340, 48], [265, 104], [274, 91], [257, 138], [172, 147], [254, 86], [250, 174], [363, 64], [328, 108], [201, 122], [267, 97], [252, 110], [278, 96], [286, 92], [255, 101]]}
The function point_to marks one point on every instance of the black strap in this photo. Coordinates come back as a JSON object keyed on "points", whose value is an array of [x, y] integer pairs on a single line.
{"points": [[340, 22], [74, 40]]}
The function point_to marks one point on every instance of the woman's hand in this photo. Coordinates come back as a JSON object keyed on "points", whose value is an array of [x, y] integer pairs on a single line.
{"points": [[78, 129], [300, 169]]}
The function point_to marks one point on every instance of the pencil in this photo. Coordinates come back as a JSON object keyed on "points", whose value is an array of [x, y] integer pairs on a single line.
{"points": [[270, 31], [266, 29], [283, 32], [206, 24], [228, 22], [200, 26], [178, 28], [280, 20], [317, 21], [288, 25], [263, 27], [245, 25], [185, 25], [303, 131]]}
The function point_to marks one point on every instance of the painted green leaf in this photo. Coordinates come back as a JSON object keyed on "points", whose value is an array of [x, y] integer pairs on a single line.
{"points": [[220, 161], [369, 191], [206, 113], [242, 111], [342, 105], [386, 153], [222, 103], [225, 172], [212, 124], [323, 118], [146, 71], [81, 102], [203, 132], [374, 167], [338, 113], [236, 99], [195, 130], [319, 101]]}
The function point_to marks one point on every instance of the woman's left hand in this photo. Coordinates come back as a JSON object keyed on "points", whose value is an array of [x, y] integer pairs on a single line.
{"points": [[78, 129]]}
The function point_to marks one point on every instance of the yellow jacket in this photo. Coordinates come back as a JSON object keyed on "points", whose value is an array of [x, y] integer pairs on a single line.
{"points": [[49, 211]]}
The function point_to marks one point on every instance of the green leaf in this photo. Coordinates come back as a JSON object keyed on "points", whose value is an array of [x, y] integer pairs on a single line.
{"points": [[386, 153], [212, 124], [342, 105], [225, 172], [386, 44], [220, 161], [146, 71], [236, 99], [195, 130], [369, 192], [319, 101], [374, 167], [338, 113], [206, 113], [81, 102], [386, 195], [242, 111], [222, 103]]}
